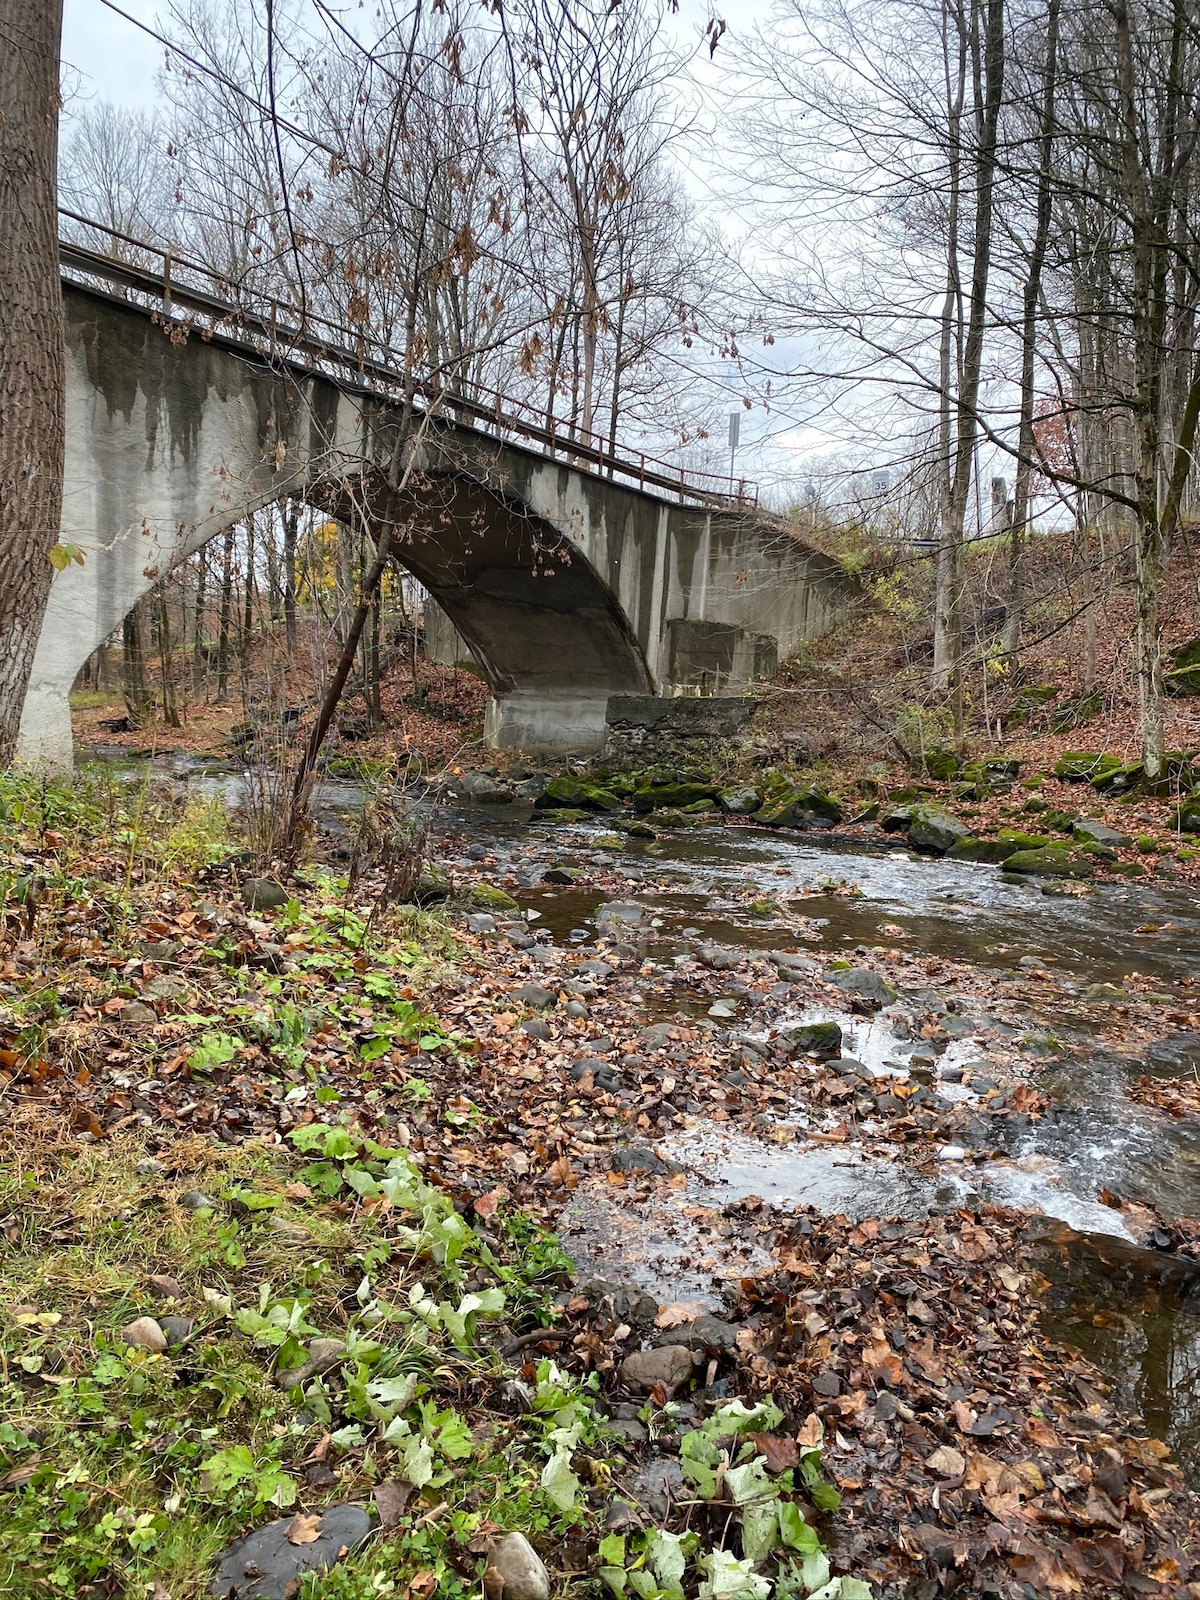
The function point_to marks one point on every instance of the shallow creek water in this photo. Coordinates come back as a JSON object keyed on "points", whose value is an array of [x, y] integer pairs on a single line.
{"points": [[1133, 1311]]}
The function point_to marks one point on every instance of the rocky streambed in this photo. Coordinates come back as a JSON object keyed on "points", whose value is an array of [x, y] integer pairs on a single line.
{"points": [[909, 1127]]}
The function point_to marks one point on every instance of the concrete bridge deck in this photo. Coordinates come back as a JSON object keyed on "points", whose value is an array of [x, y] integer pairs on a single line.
{"points": [[571, 575]]}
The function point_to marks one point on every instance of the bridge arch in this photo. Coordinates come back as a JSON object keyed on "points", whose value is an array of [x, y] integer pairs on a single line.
{"points": [[170, 441]]}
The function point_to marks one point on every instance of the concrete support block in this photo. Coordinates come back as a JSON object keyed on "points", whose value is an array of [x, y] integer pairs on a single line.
{"points": [[556, 725]]}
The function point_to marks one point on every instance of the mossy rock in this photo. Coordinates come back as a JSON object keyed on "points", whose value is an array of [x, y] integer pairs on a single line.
{"points": [[1027, 841], [1088, 830], [991, 770], [1187, 655], [1129, 869], [1035, 805], [1082, 766], [739, 801], [1057, 821], [564, 815], [803, 805], [699, 807], [606, 841], [486, 897], [576, 794], [939, 764], [1075, 712], [672, 817], [636, 829], [672, 796], [935, 832], [1182, 684], [816, 1038], [1122, 779], [1187, 816], [1050, 863], [433, 886], [993, 851]]}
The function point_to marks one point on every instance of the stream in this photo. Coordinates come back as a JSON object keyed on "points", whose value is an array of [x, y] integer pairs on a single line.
{"points": [[1134, 1311]]}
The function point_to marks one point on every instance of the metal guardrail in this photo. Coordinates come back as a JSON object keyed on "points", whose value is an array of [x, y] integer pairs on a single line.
{"points": [[334, 350]]}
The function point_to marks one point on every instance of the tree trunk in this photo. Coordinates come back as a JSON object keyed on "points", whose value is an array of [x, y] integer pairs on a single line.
{"points": [[133, 666], [290, 528], [248, 610], [166, 660], [198, 620], [31, 340], [1033, 288], [226, 616]]}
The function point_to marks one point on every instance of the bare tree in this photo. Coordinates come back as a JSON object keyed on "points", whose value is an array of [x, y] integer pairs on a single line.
{"points": [[32, 423]]}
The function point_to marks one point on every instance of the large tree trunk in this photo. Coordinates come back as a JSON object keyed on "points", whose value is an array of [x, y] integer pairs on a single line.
{"points": [[31, 340], [290, 530]]}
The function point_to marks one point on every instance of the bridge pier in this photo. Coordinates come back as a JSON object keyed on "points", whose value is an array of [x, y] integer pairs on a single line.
{"points": [[569, 724]]}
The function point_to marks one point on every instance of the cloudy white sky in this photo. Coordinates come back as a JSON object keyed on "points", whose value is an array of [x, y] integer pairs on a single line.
{"points": [[107, 58]]}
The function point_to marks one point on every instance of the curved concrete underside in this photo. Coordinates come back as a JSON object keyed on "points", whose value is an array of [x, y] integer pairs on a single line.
{"points": [[566, 587]]}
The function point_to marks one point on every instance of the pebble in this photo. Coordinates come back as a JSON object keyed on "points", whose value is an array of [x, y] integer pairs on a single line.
{"points": [[515, 1571], [264, 894], [952, 1152], [535, 995], [136, 1015], [196, 1200], [670, 1365], [145, 1333]]}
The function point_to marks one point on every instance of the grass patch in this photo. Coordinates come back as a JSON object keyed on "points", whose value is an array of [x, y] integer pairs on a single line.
{"points": [[124, 1467]]}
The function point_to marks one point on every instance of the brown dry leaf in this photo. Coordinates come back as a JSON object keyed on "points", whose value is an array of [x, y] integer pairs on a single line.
{"points": [[679, 1311], [947, 1462], [486, 1206], [777, 1450], [1042, 1569], [882, 1364], [304, 1529], [391, 1498], [812, 1433], [562, 1174], [1038, 1431], [964, 1417], [423, 1584]]}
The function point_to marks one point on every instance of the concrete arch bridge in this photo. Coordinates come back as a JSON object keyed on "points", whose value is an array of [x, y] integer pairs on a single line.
{"points": [[572, 575]]}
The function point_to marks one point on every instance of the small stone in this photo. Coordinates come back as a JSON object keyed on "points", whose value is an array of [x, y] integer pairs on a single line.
{"points": [[149, 1168], [515, 1571], [537, 1028], [576, 1009], [562, 875], [264, 894], [167, 1288], [637, 1158], [481, 922], [322, 1354], [952, 1152], [670, 1365], [621, 913], [135, 1015], [862, 981], [145, 1333], [536, 996], [164, 986], [706, 1334], [196, 1200], [176, 1329]]}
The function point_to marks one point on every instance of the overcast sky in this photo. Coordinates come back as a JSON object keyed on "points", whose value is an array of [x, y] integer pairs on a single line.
{"points": [[107, 58]]}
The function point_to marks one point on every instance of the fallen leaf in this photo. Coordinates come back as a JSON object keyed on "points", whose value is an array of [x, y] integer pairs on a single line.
{"points": [[947, 1462], [304, 1529], [777, 1450], [391, 1498], [812, 1433], [485, 1206]]}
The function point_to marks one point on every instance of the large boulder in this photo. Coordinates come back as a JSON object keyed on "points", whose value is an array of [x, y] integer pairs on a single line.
{"points": [[973, 849], [1184, 678], [1088, 831], [1187, 816], [799, 805], [739, 801], [576, 794], [934, 832], [1082, 766], [672, 796], [1053, 863]]}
